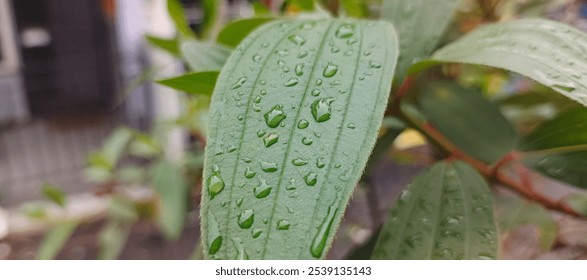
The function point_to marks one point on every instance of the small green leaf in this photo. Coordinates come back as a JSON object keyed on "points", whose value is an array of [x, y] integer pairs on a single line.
{"points": [[558, 148], [304, 5], [468, 119], [355, 8], [169, 45], [177, 14], [513, 212], [34, 210], [204, 56], [420, 25], [116, 145], [233, 33], [548, 52], [445, 213], [144, 146], [55, 239], [292, 121], [198, 83], [55, 194], [169, 183]]}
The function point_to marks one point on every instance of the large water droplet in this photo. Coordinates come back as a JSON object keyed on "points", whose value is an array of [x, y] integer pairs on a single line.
{"points": [[297, 39], [299, 70], [344, 31], [246, 218], [311, 179], [299, 162], [263, 190], [215, 183], [320, 162], [321, 109], [239, 83], [270, 140], [291, 82], [214, 236], [319, 242], [330, 70], [283, 224], [249, 173], [303, 124], [274, 117], [268, 166]]}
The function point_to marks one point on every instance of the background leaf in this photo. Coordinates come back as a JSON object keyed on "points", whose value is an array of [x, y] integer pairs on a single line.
{"points": [[55, 194], [445, 213], [558, 148], [211, 10], [513, 212], [548, 52], [55, 239], [169, 183], [304, 5], [355, 8], [420, 25], [177, 14], [467, 119], [292, 123], [169, 45], [204, 56], [233, 33], [199, 82]]}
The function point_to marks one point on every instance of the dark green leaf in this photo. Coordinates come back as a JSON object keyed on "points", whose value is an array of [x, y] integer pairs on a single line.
{"points": [[558, 148], [233, 33], [55, 194], [204, 56], [169, 45], [445, 213], [512, 213], [55, 239], [467, 119], [261, 9], [292, 123], [169, 183], [549, 52], [420, 25], [177, 14], [199, 82]]}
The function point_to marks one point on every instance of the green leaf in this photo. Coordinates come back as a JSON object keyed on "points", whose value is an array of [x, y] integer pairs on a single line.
{"points": [[34, 210], [115, 145], [304, 5], [292, 123], [513, 212], [445, 213], [468, 120], [169, 183], [420, 25], [355, 8], [112, 240], [177, 14], [568, 130], [558, 148], [211, 9], [144, 146], [54, 194], [204, 56], [548, 52], [199, 82], [261, 9], [55, 239], [169, 45], [233, 33]]}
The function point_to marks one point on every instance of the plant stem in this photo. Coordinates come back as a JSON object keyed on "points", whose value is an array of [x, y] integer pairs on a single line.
{"points": [[495, 173]]}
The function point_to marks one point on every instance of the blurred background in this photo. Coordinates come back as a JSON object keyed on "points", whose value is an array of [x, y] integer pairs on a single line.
{"points": [[98, 161]]}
